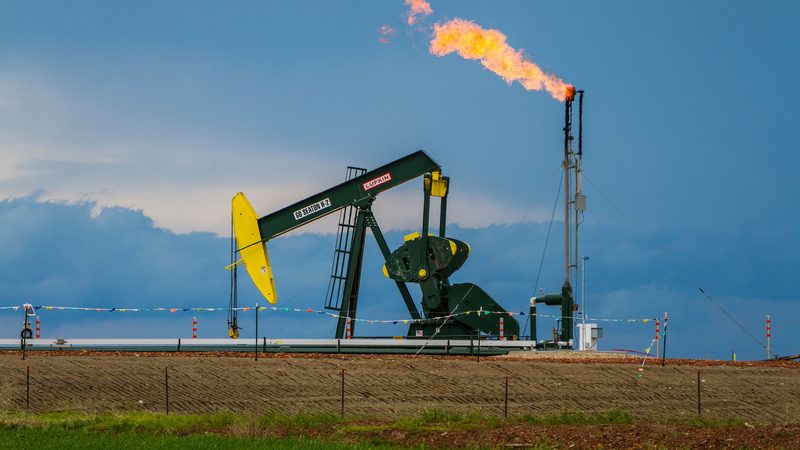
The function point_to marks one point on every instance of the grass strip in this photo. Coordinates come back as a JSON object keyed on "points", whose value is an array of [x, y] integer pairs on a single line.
{"points": [[30, 438]]}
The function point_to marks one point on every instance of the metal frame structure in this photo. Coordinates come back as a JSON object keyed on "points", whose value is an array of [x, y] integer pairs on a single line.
{"points": [[424, 259]]}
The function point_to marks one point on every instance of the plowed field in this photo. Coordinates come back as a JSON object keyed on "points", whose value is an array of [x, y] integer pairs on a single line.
{"points": [[386, 387]]}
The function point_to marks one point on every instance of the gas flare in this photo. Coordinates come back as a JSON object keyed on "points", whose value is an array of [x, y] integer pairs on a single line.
{"points": [[385, 31], [489, 46], [417, 8]]}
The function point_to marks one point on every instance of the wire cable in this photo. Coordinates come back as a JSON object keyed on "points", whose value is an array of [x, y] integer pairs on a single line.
{"points": [[680, 269], [546, 241], [734, 320]]}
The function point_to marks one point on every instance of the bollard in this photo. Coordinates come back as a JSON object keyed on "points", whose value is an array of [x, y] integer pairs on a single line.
{"points": [[769, 335], [664, 351], [502, 330], [256, 341], [194, 327], [658, 331], [38, 328]]}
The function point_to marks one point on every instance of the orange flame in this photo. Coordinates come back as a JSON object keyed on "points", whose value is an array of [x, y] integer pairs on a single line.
{"points": [[417, 8], [385, 31], [489, 46]]}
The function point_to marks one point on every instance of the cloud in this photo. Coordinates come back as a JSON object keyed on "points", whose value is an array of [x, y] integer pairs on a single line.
{"points": [[52, 145]]}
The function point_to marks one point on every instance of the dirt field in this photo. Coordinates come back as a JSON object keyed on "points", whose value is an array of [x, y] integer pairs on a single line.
{"points": [[397, 386]]}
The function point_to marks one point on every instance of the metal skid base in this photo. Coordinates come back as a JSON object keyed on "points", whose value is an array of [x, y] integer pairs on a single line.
{"points": [[266, 345]]}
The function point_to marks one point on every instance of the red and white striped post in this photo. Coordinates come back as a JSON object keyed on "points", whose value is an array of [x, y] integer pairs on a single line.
{"points": [[502, 330], [658, 332], [769, 335], [194, 327], [349, 330], [38, 328]]}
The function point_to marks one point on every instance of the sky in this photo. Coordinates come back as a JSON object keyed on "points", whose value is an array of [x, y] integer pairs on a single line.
{"points": [[125, 129]]}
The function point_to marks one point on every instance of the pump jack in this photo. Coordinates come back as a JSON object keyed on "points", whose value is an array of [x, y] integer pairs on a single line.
{"points": [[424, 259]]}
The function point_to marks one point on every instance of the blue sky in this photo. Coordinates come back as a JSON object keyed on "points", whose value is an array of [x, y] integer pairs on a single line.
{"points": [[125, 129]]}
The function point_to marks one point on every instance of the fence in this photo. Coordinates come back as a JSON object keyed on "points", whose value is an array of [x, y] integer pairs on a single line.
{"points": [[391, 386]]}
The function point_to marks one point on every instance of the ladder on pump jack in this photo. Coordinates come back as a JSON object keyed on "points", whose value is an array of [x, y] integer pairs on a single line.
{"points": [[342, 251]]}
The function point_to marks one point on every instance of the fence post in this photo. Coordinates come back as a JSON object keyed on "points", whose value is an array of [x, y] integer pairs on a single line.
{"points": [[699, 413], [28, 389], [166, 389], [505, 408], [342, 393]]}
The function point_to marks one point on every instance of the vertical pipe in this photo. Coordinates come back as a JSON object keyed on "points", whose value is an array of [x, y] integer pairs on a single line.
{"points": [[583, 291], [578, 183], [532, 318], [443, 209], [567, 193], [426, 211], [580, 123]]}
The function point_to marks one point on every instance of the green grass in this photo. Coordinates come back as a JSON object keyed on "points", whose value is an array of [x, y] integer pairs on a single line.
{"points": [[31, 438], [121, 423], [610, 417], [67, 430]]}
